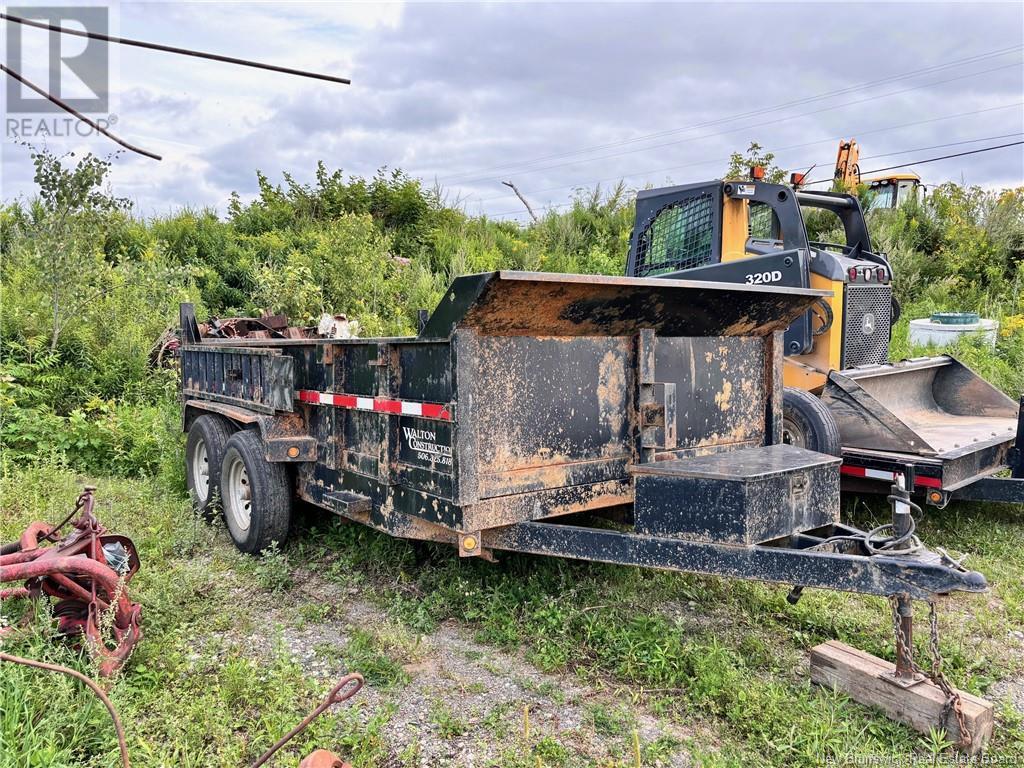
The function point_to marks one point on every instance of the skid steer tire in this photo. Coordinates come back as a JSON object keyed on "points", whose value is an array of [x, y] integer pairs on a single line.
{"points": [[204, 452], [807, 423], [256, 494]]}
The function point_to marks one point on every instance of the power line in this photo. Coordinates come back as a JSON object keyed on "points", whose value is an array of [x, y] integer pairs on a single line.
{"points": [[752, 126], [779, 149], [929, 160], [176, 50], [906, 151], [945, 157], [820, 181], [774, 151], [958, 62], [941, 146], [149, 46], [68, 108]]}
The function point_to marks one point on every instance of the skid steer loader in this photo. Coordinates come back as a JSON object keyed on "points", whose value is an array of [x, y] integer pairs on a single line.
{"points": [[933, 420]]}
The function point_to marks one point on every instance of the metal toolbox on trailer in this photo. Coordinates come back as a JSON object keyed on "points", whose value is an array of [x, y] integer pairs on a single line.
{"points": [[748, 496]]}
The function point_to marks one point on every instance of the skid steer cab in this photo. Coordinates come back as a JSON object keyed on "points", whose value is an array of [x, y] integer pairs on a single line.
{"points": [[932, 420]]}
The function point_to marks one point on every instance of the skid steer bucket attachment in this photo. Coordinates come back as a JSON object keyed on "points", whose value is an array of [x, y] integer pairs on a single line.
{"points": [[928, 407]]}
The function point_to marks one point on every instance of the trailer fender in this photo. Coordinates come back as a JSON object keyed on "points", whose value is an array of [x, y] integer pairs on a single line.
{"points": [[285, 436]]}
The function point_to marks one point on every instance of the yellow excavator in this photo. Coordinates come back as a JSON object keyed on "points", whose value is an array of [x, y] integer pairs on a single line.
{"points": [[888, 191], [932, 420]]}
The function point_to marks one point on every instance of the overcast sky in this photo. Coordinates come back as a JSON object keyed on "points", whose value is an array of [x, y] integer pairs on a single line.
{"points": [[549, 96]]}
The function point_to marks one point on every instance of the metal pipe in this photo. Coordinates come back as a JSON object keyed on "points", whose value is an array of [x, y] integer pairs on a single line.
{"points": [[71, 110], [175, 49], [118, 728], [902, 520], [902, 525], [820, 200], [346, 688], [101, 574]]}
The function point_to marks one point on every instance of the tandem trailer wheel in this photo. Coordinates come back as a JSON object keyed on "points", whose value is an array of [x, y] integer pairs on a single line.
{"points": [[255, 493], [204, 452], [808, 423]]}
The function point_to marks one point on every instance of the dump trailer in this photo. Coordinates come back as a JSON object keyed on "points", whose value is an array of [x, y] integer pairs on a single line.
{"points": [[631, 421], [932, 420]]}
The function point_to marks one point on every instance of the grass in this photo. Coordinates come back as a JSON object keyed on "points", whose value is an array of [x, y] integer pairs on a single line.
{"points": [[448, 724], [194, 693], [719, 658]]}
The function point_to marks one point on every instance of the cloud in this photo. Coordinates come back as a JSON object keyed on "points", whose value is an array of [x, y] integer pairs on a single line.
{"points": [[167, 105], [476, 94]]}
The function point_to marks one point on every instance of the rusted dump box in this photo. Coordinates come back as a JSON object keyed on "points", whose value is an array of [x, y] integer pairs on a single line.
{"points": [[525, 396], [530, 397]]}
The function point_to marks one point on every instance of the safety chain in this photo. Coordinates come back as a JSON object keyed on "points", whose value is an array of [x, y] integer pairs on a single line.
{"points": [[904, 650]]}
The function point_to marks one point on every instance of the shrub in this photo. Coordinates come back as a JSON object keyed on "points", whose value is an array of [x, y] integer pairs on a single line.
{"points": [[75, 383]]}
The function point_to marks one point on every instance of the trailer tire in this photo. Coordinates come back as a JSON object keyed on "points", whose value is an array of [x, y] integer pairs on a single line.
{"points": [[256, 494], [808, 423], [204, 453]]}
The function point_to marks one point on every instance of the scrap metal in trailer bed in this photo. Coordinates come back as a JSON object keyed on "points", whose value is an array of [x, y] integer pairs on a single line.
{"points": [[529, 404]]}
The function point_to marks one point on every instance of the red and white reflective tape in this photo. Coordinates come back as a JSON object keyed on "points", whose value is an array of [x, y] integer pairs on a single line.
{"points": [[377, 404], [881, 474]]}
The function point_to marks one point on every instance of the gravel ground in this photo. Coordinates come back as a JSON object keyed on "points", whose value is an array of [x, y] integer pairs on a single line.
{"points": [[1011, 690], [464, 703]]}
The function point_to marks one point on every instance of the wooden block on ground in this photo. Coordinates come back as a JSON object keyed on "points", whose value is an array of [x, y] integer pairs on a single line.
{"points": [[860, 676]]}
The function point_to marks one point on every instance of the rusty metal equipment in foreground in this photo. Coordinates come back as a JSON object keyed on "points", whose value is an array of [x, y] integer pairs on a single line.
{"points": [[85, 573]]}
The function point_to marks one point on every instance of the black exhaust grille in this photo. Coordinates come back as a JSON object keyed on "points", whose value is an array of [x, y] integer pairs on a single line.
{"points": [[867, 315], [679, 236]]}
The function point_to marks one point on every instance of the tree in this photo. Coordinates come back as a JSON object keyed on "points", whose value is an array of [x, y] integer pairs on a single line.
{"points": [[64, 234], [740, 165]]}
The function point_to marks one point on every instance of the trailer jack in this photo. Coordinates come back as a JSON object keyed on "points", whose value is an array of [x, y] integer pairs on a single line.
{"points": [[86, 574]]}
